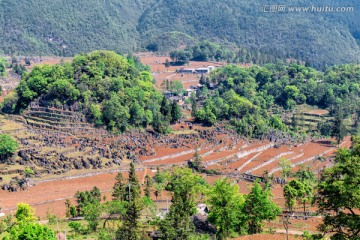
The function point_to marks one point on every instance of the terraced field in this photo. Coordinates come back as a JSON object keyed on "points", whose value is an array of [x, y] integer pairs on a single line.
{"points": [[63, 149]]}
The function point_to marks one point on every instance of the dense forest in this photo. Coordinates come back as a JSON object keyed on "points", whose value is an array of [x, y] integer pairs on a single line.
{"points": [[39, 27], [111, 90], [252, 98]]}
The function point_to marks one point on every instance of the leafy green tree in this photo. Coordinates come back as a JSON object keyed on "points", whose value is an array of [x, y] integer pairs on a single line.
{"points": [[115, 115], [177, 87], [75, 226], [338, 195], [297, 191], [92, 213], [259, 207], [290, 195], [8, 146], [185, 186], [136, 114], [180, 56], [285, 166], [226, 208], [96, 113], [25, 226], [339, 129], [30, 231], [24, 213]]}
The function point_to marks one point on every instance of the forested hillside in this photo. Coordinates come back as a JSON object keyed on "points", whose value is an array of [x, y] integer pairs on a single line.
{"points": [[66, 27]]}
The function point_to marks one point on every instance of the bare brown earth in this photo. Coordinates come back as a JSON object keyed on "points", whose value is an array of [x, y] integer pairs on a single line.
{"points": [[161, 73], [52, 195]]}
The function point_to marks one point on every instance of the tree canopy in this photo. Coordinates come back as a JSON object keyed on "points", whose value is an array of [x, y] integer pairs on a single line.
{"points": [[339, 194]]}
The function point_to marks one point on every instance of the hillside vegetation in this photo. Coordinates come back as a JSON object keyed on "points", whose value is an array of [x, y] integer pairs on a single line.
{"points": [[110, 89], [57, 27]]}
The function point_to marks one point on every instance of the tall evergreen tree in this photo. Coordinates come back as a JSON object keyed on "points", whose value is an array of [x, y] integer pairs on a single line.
{"points": [[165, 107], [148, 185], [175, 112], [130, 228], [167, 64], [119, 188]]}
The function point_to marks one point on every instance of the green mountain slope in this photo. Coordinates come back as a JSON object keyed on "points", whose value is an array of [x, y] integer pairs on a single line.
{"points": [[45, 27]]}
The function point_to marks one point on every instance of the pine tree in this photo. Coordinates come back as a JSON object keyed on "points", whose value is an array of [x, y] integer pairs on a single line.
{"points": [[119, 188], [132, 190], [130, 228], [148, 185], [196, 164], [167, 64], [202, 79], [165, 107], [175, 112]]}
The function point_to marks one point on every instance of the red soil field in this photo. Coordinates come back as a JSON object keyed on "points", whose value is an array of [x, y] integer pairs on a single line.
{"points": [[52, 195]]}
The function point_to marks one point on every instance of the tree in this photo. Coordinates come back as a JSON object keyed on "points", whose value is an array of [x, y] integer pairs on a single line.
{"points": [[165, 107], [175, 112], [202, 79], [8, 146], [259, 207], [136, 114], [2, 67], [148, 185], [196, 163], [129, 230], [297, 191], [339, 194], [25, 227], [177, 87], [68, 205], [87, 198], [226, 208], [285, 166], [185, 186], [167, 64], [24, 213], [119, 190], [75, 226], [339, 129], [290, 195], [28, 172], [30, 231], [92, 213]]}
